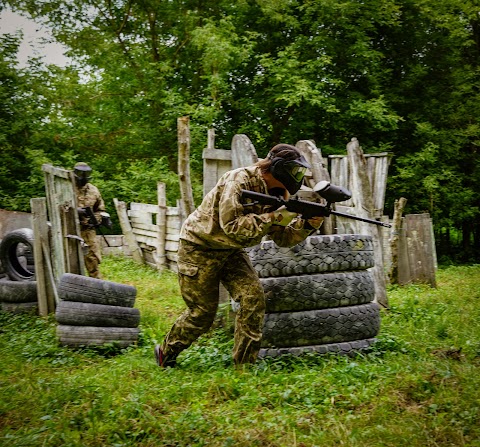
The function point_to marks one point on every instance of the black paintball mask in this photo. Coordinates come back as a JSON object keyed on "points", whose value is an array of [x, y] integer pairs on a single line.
{"points": [[82, 174], [289, 172]]}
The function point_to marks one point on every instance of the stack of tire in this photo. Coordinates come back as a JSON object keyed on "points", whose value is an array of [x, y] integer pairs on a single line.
{"points": [[18, 288], [319, 295], [95, 312]]}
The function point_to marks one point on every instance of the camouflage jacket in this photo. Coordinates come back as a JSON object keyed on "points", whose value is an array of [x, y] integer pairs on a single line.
{"points": [[221, 221], [89, 195]]}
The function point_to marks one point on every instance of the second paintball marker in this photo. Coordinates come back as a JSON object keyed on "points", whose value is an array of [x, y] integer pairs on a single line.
{"points": [[331, 193], [93, 222]]}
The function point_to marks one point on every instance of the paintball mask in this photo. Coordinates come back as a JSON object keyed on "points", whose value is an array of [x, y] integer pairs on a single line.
{"points": [[82, 173], [289, 172]]}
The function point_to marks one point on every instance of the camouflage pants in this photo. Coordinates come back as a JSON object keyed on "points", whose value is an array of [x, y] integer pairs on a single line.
{"points": [[93, 257], [201, 271]]}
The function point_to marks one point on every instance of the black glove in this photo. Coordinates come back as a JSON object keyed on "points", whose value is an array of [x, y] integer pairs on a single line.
{"points": [[106, 222], [81, 212]]}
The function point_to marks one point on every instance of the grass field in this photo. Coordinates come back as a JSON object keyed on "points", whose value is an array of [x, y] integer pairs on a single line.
{"points": [[419, 386]]}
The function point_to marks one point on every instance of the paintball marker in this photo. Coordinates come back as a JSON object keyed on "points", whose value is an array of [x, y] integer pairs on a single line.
{"points": [[92, 220], [331, 193]]}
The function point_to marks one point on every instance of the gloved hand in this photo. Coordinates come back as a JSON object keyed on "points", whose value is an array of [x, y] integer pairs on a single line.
{"points": [[106, 221], [315, 222], [282, 216], [81, 212]]}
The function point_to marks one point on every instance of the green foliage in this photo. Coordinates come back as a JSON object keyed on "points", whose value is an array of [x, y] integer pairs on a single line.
{"points": [[417, 386], [400, 75]]}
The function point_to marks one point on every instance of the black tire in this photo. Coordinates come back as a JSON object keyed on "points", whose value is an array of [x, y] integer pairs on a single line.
{"points": [[87, 314], [318, 291], [16, 255], [350, 348], [316, 254], [20, 308], [18, 291], [84, 289], [77, 336], [316, 327]]}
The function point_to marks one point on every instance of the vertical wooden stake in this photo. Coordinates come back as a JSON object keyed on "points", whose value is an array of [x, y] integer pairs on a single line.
{"points": [[362, 198], [46, 287], [395, 232], [162, 226], [183, 134], [136, 251]]}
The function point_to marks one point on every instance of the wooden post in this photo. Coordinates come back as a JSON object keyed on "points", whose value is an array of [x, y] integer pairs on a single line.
{"points": [[136, 251], [211, 139], [183, 134], [362, 199], [46, 287], [162, 226], [394, 239], [243, 152], [417, 251]]}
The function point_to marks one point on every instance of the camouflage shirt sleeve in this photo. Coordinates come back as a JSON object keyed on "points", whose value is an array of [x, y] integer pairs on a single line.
{"points": [[235, 220], [243, 226]]}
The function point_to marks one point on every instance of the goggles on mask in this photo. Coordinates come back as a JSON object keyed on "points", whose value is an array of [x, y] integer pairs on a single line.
{"points": [[82, 173], [289, 172]]}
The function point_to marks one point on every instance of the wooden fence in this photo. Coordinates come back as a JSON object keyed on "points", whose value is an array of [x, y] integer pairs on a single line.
{"points": [[365, 174], [146, 226]]}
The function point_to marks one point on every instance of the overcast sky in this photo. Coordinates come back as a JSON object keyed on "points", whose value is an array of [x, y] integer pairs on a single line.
{"points": [[11, 22]]}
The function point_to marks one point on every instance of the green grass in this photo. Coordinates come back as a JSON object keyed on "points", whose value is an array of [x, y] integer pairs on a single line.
{"points": [[418, 387]]}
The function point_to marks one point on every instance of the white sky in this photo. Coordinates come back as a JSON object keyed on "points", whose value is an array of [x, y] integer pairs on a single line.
{"points": [[11, 22]]}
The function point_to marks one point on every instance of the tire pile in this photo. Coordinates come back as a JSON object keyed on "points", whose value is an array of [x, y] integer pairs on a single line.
{"points": [[319, 295], [94, 312], [18, 288]]}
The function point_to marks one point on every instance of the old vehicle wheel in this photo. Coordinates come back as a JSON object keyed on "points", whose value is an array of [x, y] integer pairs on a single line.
{"points": [[16, 255], [19, 308], [314, 327], [87, 314], [345, 348], [18, 291], [318, 291], [319, 295], [77, 336], [84, 289], [316, 254]]}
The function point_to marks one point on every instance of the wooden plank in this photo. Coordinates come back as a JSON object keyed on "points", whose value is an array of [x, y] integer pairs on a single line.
{"points": [[172, 256], [162, 226], [418, 232], [171, 246], [139, 231], [56, 172], [39, 212], [151, 241], [144, 207], [184, 179], [174, 227], [394, 242], [173, 237], [62, 204], [243, 152], [173, 211], [363, 206], [121, 208], [145, 227], [216, 162]]}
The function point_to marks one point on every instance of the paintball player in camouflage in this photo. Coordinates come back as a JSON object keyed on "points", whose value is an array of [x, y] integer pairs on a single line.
{"points": [[211, 252], [88, 195]]}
